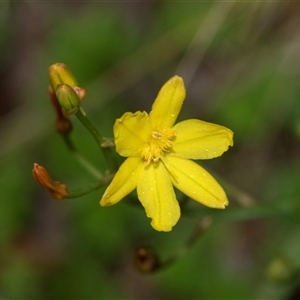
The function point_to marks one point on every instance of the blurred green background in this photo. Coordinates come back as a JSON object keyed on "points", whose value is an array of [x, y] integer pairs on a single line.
{"points": [[241, 65]]}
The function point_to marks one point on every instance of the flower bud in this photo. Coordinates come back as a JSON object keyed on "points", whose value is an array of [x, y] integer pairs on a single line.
{"points": [[57, 190], [146, 260], [63, 125], [67, 98], [59, 73]]}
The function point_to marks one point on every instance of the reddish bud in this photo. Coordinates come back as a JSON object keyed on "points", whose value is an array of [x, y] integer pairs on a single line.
{"points": [[58, 190]]}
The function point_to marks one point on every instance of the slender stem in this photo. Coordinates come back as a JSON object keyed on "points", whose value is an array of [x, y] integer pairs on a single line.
{"points": [[201, 227], [81, 115], [84, 162], [102, 179], [101, 141], [88, 166], [90, 187]]}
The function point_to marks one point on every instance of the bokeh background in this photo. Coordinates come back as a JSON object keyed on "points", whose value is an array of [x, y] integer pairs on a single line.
{"points": [[241, 65]]}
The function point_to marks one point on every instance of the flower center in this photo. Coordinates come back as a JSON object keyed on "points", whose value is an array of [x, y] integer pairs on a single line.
{"points": [[159, 142]]}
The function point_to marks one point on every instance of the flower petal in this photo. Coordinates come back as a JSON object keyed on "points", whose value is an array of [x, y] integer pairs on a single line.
{"points": [[124, 182], [197, 139], [156, 193], [195, 182], [131, 132], [168, 103]]}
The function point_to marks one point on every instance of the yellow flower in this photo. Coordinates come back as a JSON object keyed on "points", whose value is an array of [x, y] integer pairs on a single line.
{"points": [[158, 158]]}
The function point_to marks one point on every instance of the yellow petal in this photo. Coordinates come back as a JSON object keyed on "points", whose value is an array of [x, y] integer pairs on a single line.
{"points": [[168, 103], [124, 182], [131, 132], [195, 182], [156, 193], [197, 139]]}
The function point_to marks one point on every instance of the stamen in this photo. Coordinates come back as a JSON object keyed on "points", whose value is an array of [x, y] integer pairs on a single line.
{"points": [[158, 144], [156, 135]]}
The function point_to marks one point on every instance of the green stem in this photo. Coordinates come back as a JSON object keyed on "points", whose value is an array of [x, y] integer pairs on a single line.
{"points": [[89, 188], [85, 163], [81, 115], [202, 226], [88, 166], [103, 179], [101, 141]]}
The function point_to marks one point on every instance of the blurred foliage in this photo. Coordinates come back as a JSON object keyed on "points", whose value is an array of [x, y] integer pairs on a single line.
{"points": [[241, 65]]}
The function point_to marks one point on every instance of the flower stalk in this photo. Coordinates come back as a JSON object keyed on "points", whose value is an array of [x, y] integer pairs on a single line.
{"points": [[101, 141], [91, 187]]}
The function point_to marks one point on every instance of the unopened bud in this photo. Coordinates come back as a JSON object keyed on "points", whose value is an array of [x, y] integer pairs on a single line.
{"points": [[57, 190], [59, 73], [67, 98], [62, 125], [146, 260]]}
